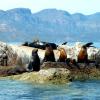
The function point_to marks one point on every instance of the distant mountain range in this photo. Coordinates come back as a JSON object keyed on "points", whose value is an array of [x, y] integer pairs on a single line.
{"points": [[20, 24]]}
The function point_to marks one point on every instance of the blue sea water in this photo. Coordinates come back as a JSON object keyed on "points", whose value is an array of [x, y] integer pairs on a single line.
{"points": [[15, 90]]}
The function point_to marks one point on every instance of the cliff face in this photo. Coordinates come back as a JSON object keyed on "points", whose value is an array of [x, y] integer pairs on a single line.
{"points": [[20, 25]]}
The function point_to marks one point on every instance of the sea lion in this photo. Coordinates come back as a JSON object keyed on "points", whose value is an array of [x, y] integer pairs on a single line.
{"points": [[83, 55], [34, 64], [68, 61], [49, 54], [63, 55]]}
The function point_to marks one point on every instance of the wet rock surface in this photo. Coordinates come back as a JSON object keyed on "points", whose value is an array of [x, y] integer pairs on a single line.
{"points": [[51, 75], [56, 73]]}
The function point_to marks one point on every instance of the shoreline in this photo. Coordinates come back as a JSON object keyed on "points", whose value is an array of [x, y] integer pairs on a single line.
{"points": [[57, 75]]}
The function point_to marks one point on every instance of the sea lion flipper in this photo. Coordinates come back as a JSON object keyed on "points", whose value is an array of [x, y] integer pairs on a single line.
{"points": [[88, 44], [64, 43]]}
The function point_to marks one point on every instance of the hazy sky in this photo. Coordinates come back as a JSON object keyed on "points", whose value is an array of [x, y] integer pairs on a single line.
{"points": [[72, 6]]}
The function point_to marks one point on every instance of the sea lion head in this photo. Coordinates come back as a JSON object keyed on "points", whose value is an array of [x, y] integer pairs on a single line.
{"points": [[34, 51]]}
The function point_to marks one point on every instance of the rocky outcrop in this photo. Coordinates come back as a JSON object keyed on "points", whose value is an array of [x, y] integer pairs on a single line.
{"points": [[58, 73], [20, 55], [51, 72], [24, 53], [51, 75], [6, 50]]}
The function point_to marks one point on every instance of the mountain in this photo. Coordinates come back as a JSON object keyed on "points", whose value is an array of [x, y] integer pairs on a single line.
{"points": [[20, 24]]}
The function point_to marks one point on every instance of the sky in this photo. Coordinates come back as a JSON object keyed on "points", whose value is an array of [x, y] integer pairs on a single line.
{"points": [[72, 6]]}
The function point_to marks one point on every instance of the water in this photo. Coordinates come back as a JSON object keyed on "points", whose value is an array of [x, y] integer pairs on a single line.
{"points": [[15, 90]]}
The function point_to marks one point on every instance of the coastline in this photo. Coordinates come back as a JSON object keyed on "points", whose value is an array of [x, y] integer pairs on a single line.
{"points": [[59, 74]]}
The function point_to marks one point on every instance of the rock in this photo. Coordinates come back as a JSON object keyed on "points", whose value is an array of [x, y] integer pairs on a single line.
{"points": [[7, 49], [97, 58], [51, 72], [51, 75], [47, 65], [16, 70], [24, 52], [55, 75]]}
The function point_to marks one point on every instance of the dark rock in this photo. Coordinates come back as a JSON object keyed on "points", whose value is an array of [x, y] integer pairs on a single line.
{"points": [[47, 65], [41, 45]]}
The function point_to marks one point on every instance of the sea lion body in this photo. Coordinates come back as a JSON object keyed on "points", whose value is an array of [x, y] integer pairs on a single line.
{"points": [[63, 55], [83, 55], [49, 54], [34, 63]]}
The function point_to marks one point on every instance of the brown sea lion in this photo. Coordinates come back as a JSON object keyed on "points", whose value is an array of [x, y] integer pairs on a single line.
{"points": [[83, 55], [49, 54], [63, 55]]}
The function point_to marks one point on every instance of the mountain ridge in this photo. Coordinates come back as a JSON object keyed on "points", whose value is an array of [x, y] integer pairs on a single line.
{"points": [[20, 24]]}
